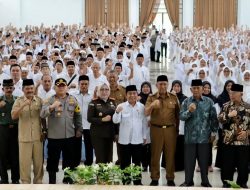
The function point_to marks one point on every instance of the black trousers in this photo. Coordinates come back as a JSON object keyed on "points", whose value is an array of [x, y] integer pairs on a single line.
{"points": [[9, 153], [218, 160], [131, 152], [146, 155], [152, 53], [88, 147], [235, 157], [164, 46], [103, 149], [158, 56], [55, 147], [77, 151], [191, 153]]}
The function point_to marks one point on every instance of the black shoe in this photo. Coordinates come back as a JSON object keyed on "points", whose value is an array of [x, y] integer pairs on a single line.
{"points": [[4, 182], [52, 177], [225, 185], [15, 182], [67, 180], [206, 184], [154, 183], [244, 186], [187, 184], [171, 183]]}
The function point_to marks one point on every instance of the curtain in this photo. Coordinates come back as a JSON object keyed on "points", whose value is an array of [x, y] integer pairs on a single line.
{"points": [[117, 12], [172, 7], [215, 13], [95, 12], [148, 11]]}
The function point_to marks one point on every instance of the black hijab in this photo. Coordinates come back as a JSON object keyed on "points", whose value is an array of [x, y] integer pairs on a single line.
{"points": [[224, 96], [143, 96], [210, 95], [181, 97]]}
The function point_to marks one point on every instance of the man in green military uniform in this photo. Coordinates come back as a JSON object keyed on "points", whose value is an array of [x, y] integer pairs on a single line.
{"points": [[64, 123], [8, 135]]}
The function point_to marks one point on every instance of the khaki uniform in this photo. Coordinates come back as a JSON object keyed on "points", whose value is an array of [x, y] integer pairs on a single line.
{"points": [[118, 94], [29, 135], [164, 126]]}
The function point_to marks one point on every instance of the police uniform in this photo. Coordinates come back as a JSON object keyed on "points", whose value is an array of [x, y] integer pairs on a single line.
{"points": [[8, 139], [164, 126], [102, 133], [63, 122]]}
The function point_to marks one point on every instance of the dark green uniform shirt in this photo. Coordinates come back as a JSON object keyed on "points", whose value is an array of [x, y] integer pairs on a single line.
{"points": [[5, 112]]}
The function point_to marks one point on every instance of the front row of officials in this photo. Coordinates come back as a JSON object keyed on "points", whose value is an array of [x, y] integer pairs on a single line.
{"points": [[26, 121]]}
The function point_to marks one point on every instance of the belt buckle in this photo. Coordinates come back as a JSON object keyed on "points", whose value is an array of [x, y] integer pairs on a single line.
{"points": [[164, 127]]}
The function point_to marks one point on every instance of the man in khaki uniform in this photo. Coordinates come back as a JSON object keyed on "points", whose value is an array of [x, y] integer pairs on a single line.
{"points": [[118, 93], [163, 109], [27, 108]]}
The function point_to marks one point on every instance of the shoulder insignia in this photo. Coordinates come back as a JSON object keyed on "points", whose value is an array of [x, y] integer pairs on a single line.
{"points": [[77, 109], [91, 104]]}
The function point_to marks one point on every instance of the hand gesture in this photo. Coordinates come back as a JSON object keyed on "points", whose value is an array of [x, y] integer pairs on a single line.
{"points": [[56, 104], [192, 107], [2, 103], [106, 118], [27, 102], [232, 113], [156, 104], [119, 109]]}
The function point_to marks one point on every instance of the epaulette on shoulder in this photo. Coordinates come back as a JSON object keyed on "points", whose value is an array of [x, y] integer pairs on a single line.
{"points": [[112, 99], [172, 94]]}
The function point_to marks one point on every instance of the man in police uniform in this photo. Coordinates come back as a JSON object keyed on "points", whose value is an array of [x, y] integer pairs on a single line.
{"points": [[163, 107], [118, 93], [64, 123], [8, 135]]}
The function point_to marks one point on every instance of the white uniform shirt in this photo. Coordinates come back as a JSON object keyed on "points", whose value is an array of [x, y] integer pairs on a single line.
{"points": [[43, 94], [133, 123], [93, 82], [141, 74], [83, 101], [18, 88]]}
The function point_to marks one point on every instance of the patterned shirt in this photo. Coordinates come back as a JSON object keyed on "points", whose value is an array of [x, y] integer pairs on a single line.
{"points": [[200, 123], [233, 125]]}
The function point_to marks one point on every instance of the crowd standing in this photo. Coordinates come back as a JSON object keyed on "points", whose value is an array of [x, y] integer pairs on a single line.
{"points": [[62, 85]]}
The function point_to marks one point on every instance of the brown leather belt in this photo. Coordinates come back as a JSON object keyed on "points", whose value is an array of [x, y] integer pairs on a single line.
{"points": [[163, 126]]}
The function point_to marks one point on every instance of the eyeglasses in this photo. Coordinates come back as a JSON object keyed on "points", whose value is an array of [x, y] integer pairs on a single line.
{"points": [[201, 73], [226, 71]]}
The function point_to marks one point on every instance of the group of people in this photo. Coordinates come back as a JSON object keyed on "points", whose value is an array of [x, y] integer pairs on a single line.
{"points": [[66, 84]]}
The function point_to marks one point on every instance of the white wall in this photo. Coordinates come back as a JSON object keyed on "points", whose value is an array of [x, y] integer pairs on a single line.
{"points": [[34, 12], [188, 13], [50, 12], [243, 13], [9, 12]]}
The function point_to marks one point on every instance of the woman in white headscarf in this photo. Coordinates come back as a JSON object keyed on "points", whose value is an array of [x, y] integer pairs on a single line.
{"points": [[225, 75], [191, 74], [202, 74], [246, 84]]}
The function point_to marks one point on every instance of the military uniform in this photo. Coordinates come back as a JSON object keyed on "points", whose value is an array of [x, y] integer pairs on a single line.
{"points": [[8, 142], [63, 122], [164, 126], [102, 133]]}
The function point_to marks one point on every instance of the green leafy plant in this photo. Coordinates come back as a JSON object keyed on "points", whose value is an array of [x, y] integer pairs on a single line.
{"points": [[103, 174], [233, 184]]}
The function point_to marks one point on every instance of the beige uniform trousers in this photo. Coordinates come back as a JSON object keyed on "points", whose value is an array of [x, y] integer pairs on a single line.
{"points": [[31, 153]]}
